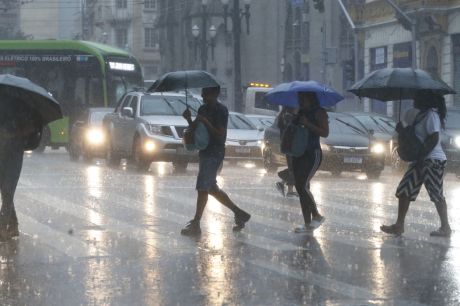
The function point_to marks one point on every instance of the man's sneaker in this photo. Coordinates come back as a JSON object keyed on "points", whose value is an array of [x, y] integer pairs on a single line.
{"points": [[441, 232], [240, 220], [304, 229], [317, 221], [191, 229], [292, 194], [280, 187]]}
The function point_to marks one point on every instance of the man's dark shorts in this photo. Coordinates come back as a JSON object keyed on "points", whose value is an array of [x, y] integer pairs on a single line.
{"points": [[207, 174]]}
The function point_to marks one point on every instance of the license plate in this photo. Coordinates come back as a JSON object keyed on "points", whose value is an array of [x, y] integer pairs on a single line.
{"points": [[353, 160], [242, 150]]}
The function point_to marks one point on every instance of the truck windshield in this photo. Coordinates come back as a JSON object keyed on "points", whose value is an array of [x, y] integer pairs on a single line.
{"points": [[238, 122], [167, 105]]}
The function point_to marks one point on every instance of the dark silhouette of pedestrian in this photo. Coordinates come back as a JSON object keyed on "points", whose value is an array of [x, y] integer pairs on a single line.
{"points": [[313, 117], [429, 169], [20, 129], [284, 118], [214, 116]]}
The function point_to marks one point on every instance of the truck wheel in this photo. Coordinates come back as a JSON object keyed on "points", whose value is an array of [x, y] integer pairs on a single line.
{"points": [[269, 166], [113, 159], [141, 162], [44, 141]]}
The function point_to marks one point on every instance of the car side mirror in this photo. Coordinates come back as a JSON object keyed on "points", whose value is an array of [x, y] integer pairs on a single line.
{"points": [[79, 123], [127, 112], [261, 129], [372, 132]]}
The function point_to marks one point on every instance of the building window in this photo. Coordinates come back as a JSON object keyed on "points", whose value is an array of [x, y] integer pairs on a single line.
{"points": [[121, 37], [151, 38], [150, 4], [122, 4]]}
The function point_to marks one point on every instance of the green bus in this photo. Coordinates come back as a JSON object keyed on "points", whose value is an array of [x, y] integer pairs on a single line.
{"points": [[79, 74]]}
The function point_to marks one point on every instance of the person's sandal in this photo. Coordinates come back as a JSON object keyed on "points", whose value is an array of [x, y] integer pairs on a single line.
{"points": [[441, 232], [392, 229]]}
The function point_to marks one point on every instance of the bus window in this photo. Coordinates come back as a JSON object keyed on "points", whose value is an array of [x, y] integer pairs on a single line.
{"points": [[261, 102], [80, 91], [96, 98]]}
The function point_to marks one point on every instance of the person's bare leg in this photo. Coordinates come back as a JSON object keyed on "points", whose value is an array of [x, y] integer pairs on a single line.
{"points": [[445, 230], [398, 227], [241, 217], [201, 201]]}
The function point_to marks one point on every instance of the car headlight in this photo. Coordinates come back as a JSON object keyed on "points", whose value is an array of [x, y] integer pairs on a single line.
{"points": [[378, 148], [457, 141], [325, 147], [95, 136]]}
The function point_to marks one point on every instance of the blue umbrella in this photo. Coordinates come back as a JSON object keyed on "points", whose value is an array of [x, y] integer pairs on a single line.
{"points": [[286, 94]]}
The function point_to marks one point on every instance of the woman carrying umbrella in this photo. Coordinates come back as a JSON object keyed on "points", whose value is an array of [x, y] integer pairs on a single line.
{"points": [[310, 98], [428, 170], [313, 117]]}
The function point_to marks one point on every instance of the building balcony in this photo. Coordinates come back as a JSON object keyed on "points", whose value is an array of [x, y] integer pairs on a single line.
{"points": [[119, 16]]}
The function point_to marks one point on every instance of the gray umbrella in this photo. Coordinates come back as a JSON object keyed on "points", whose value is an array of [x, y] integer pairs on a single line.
{"points": [[391, 84], [34, 96], [183, 80]]}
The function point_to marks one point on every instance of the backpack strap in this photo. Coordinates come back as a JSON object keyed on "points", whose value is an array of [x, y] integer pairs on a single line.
{"points": [[420, 116]]}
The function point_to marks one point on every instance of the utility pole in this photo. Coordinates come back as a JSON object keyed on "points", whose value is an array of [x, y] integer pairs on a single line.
{"points": [[355, 39], [204, 41], [236, 20], [409, 24]]}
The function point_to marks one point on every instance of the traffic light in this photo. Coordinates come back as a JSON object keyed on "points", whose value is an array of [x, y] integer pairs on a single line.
{"points": [[349, 70], [319, 5]]}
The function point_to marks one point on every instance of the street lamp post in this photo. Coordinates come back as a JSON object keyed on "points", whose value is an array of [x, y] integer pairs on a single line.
{"points": [[236, 15], [204, 43]]}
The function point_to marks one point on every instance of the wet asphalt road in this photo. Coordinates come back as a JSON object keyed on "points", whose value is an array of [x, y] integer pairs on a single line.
{"points": [[92, 235]]}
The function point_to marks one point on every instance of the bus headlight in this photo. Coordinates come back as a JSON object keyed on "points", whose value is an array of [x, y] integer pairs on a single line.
{"points": [[149, 146], [378, 148], [95, 136]]}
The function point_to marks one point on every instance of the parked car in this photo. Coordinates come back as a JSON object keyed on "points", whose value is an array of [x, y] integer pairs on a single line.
{"points": [[450, 141], [244, 139], [349, 147], [261, 121], [382, 128], [147, 127], [87, 137]]}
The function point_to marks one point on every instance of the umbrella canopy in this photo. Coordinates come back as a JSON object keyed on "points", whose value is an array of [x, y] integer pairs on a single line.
{"points": [[34, 96], [286, 94], [180, 80], [390, 84]]}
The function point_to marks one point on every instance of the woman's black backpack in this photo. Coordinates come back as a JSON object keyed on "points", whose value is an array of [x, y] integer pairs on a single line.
{"points": [[409, 145]]}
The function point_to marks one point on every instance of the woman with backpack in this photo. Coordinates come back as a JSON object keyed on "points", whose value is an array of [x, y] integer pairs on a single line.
{"points": [[313, 117], [428, 167]]}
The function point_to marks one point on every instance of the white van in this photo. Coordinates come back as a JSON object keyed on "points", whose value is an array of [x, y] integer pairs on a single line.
{"points": [[256, 103]]}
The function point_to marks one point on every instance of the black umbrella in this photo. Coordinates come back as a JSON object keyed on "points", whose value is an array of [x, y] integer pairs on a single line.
{"points": [[34, 96], [183, 80], [390, 84]]}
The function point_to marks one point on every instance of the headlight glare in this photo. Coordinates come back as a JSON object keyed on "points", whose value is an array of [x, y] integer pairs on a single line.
{"points": [[378, 148], [95, 136], [457, 141], [325, 147], [149, 146]]}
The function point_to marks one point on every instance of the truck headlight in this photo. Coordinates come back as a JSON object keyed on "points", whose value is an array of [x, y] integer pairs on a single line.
{"points": [[325, 147], [378, 148], [149, 146], [457, 141], [154, 129], [95, 136]]}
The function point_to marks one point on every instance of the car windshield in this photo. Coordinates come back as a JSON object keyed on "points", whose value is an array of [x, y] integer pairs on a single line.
{"points": [[377, 124], [97, 117], [239, 122], [453, 120], [345, 125], [164, 105], [262, 122]]}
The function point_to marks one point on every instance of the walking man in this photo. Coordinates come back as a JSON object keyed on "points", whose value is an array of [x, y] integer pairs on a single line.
{"points": [[214, 116], [429, 169], [17, 127]]}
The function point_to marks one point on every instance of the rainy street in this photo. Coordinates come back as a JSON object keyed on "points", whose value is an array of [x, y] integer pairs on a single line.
{"points": [[95, 235]]}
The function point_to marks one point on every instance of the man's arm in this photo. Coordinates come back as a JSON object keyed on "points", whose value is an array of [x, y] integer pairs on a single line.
{"points": [[215, 131]]}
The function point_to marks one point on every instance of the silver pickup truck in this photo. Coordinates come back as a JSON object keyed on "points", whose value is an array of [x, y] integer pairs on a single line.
{"points": [[147, 127]]}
